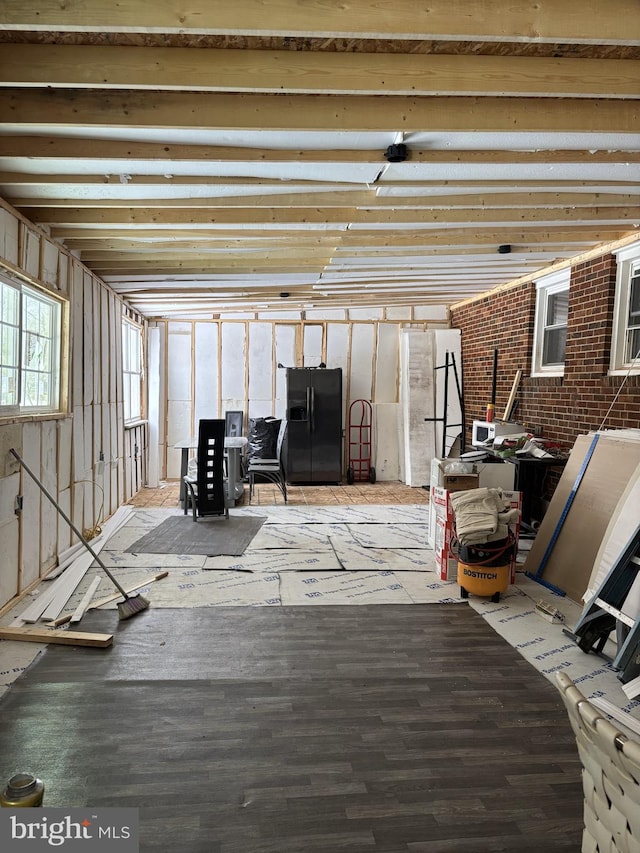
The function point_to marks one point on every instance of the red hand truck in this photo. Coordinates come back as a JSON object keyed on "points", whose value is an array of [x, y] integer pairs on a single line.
{"points": [[359, 430]]}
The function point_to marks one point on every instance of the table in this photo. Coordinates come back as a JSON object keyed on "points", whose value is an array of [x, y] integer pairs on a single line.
{"points": [[233, 446]]}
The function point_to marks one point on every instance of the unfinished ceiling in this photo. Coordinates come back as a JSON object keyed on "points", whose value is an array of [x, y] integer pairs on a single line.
{"points": [[213, 157]]}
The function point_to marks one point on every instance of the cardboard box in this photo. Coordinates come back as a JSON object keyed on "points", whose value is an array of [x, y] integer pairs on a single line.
{"points": [[442, 513], [460, 482]]}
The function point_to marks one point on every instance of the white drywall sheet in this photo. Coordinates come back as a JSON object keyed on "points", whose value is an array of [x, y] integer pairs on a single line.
{"points": [[418, 403], [337, 356]]}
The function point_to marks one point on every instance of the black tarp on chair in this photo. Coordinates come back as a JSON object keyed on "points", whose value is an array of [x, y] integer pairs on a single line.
{"points": [[206, 491]]}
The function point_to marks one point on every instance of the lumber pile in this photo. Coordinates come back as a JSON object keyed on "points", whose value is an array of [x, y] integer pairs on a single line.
{"points": [[62, 582]]}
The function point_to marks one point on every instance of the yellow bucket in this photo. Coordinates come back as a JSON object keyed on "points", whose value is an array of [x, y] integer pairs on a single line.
{"points": [[483, 580]]}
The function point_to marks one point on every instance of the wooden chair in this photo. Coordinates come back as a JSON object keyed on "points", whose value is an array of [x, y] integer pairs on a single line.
{"points": [[610, 775], [271, 470], [206, 491]]}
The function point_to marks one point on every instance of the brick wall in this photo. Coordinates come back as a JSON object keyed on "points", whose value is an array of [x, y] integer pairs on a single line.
{"points": [[559, 408]]}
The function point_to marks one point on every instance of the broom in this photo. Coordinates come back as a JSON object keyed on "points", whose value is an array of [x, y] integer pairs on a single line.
{"points": [[132, 604]]}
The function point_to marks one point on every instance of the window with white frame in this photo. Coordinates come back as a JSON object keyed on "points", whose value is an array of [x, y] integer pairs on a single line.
{"points": [[132, 370], [625, 340], [552, 312], [30, 349]]}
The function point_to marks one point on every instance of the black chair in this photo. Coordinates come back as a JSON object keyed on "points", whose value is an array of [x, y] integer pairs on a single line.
{"points": [[271, 470], [206, 491]]}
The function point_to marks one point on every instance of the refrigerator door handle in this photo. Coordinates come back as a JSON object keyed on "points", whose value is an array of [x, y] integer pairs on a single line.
{"points": [[312, 410], [309, 410]]}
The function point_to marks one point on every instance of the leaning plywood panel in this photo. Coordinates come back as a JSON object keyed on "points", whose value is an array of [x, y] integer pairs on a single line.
{"points": [[605, 479], [30, 516]]}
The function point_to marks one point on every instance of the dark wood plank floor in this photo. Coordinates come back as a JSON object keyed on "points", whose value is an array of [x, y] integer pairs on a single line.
{"points": [[371, 729]]}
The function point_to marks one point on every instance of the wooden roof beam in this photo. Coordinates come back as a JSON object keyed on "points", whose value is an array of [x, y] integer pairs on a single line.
{"points": [[312, 72], [220, 110], [614, 22]]}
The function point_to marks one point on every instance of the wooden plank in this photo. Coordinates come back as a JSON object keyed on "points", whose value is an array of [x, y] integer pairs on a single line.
{"points": [[316, 72], [85, 601], [471, 20], [246, 111], [512, 395], [59, 636], [62, 620]]}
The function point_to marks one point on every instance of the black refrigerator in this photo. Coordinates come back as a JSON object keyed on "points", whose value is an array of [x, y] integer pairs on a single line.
{"points": [[313, 445]]}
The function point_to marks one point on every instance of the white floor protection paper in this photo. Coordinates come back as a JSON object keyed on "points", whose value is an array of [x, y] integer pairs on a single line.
{"points": [[355, 557], [390, 535], [308, 537], [342, 588]]}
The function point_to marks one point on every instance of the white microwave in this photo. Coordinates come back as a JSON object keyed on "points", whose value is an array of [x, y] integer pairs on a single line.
{"points": [[487, 431]]}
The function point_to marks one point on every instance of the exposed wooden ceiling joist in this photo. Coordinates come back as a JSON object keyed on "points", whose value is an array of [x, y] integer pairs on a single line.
{"points": [[485, 20], [205, 158], [209, 70], [338, 113]]}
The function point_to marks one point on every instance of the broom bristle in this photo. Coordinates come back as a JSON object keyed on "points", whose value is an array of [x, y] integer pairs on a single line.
{"points": [[132, 605]]}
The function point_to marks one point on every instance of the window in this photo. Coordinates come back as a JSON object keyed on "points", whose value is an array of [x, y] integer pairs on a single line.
{"points": [[30, 350], [625, 343], [552, 312], [132, 370]]}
